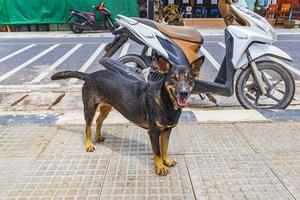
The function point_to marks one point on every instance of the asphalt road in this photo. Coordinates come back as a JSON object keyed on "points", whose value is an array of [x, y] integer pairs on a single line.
{"points": [[34, 60]]}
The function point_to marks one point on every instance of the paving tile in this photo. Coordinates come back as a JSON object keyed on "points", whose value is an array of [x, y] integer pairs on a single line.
{"points": [[233, 176], [70, 140], [272, 137], [44, 162], [131, 172], [25, 141], [10, 171], [62, 176], [134, 140], [31, 169], [133, 177], [211, 138], [286, 167]]}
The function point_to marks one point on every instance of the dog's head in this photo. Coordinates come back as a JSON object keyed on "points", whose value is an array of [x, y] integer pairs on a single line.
{"points": [[179, 80]]}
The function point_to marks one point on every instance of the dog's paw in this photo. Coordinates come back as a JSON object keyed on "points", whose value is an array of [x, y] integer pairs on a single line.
{"points": [[169, 162], [89, 147], [100, 139], [162, 170]]}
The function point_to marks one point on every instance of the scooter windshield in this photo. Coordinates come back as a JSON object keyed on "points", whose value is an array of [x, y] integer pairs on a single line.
{"points": [[256, 20]]}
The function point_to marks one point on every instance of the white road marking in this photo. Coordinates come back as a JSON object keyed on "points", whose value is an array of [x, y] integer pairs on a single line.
{"points": [[124, 50], [55, 65], [17, 52], [92, 58], [210, 58], [87, 64], [222, 45], [28, 62], [58, 34]]}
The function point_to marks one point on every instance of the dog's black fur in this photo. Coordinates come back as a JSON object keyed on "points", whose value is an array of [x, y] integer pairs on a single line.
{"points": [[155, 106]]}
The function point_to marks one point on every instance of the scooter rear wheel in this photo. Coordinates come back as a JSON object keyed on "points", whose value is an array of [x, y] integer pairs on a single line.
{"points": [[76, 29], [134, 61], [280, 87]]}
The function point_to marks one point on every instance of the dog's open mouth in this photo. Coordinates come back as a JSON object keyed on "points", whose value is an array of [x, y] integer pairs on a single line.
{"points": [[182, 102]]}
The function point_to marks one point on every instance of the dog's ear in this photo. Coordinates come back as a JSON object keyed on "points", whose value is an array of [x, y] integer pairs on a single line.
{"points": [[196, 65], [163, 65]]}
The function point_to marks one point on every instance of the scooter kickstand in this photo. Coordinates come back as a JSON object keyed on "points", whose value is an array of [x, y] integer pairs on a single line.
{"points": [[212, 99], [202, 96]]}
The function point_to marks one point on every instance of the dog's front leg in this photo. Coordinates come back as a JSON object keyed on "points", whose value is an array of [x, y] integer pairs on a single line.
{"points": [[164, 143], [161, 169]]}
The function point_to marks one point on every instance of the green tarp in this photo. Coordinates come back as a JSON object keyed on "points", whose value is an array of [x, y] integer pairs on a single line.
{"points": [[56, 11]]}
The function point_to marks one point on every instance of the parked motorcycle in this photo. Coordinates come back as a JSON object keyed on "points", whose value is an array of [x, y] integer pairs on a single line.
{"points": [[80, 21], [261, 84]]}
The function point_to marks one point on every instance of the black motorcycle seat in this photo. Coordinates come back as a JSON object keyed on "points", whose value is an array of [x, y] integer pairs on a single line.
{"points": [[74, 10], [86, 13]]}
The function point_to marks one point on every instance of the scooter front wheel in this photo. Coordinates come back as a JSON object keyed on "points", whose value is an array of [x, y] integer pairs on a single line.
{"points": [[280, 86]]}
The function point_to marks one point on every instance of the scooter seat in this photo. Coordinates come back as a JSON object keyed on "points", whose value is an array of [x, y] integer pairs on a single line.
{"points": [[185, 33]]}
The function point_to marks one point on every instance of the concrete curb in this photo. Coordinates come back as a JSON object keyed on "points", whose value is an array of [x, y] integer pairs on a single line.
{"points": [[54, 87], [188, 116], [69, 34]]}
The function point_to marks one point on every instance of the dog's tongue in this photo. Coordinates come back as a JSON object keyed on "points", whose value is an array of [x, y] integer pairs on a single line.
{"points": [[181, 102]]}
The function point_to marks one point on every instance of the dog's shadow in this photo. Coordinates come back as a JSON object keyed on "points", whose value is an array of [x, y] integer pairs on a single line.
{"points": [[125, 142]]}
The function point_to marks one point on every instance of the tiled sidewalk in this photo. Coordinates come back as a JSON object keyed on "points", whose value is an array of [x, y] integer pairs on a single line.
{"points": [[215, 161]]}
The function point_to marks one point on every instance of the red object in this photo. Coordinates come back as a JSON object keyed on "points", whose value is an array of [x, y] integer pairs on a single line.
{"points": [[280, 2], [102, 8], [90, 14], [272, 11]]}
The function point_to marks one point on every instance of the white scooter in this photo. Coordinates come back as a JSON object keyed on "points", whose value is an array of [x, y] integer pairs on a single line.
{"points": [[262, 82]]}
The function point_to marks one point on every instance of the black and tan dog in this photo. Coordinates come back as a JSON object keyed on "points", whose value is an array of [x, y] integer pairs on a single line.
{"points": [[155, 106]]}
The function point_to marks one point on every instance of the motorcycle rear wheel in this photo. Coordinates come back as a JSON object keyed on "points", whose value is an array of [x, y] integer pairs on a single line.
{"points": [[280, 87], [76, 29], [134, 61]]}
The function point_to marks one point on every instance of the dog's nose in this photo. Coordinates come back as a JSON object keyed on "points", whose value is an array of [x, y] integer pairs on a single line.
{"points": [[183, 94]]}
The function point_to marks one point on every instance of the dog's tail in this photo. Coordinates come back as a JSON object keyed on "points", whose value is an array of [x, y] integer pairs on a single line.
{"points": [[69, 74]]}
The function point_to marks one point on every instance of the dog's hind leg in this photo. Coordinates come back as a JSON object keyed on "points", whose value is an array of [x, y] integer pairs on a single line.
{"points": [[104, 111], [89, 113], [163, 144]]}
